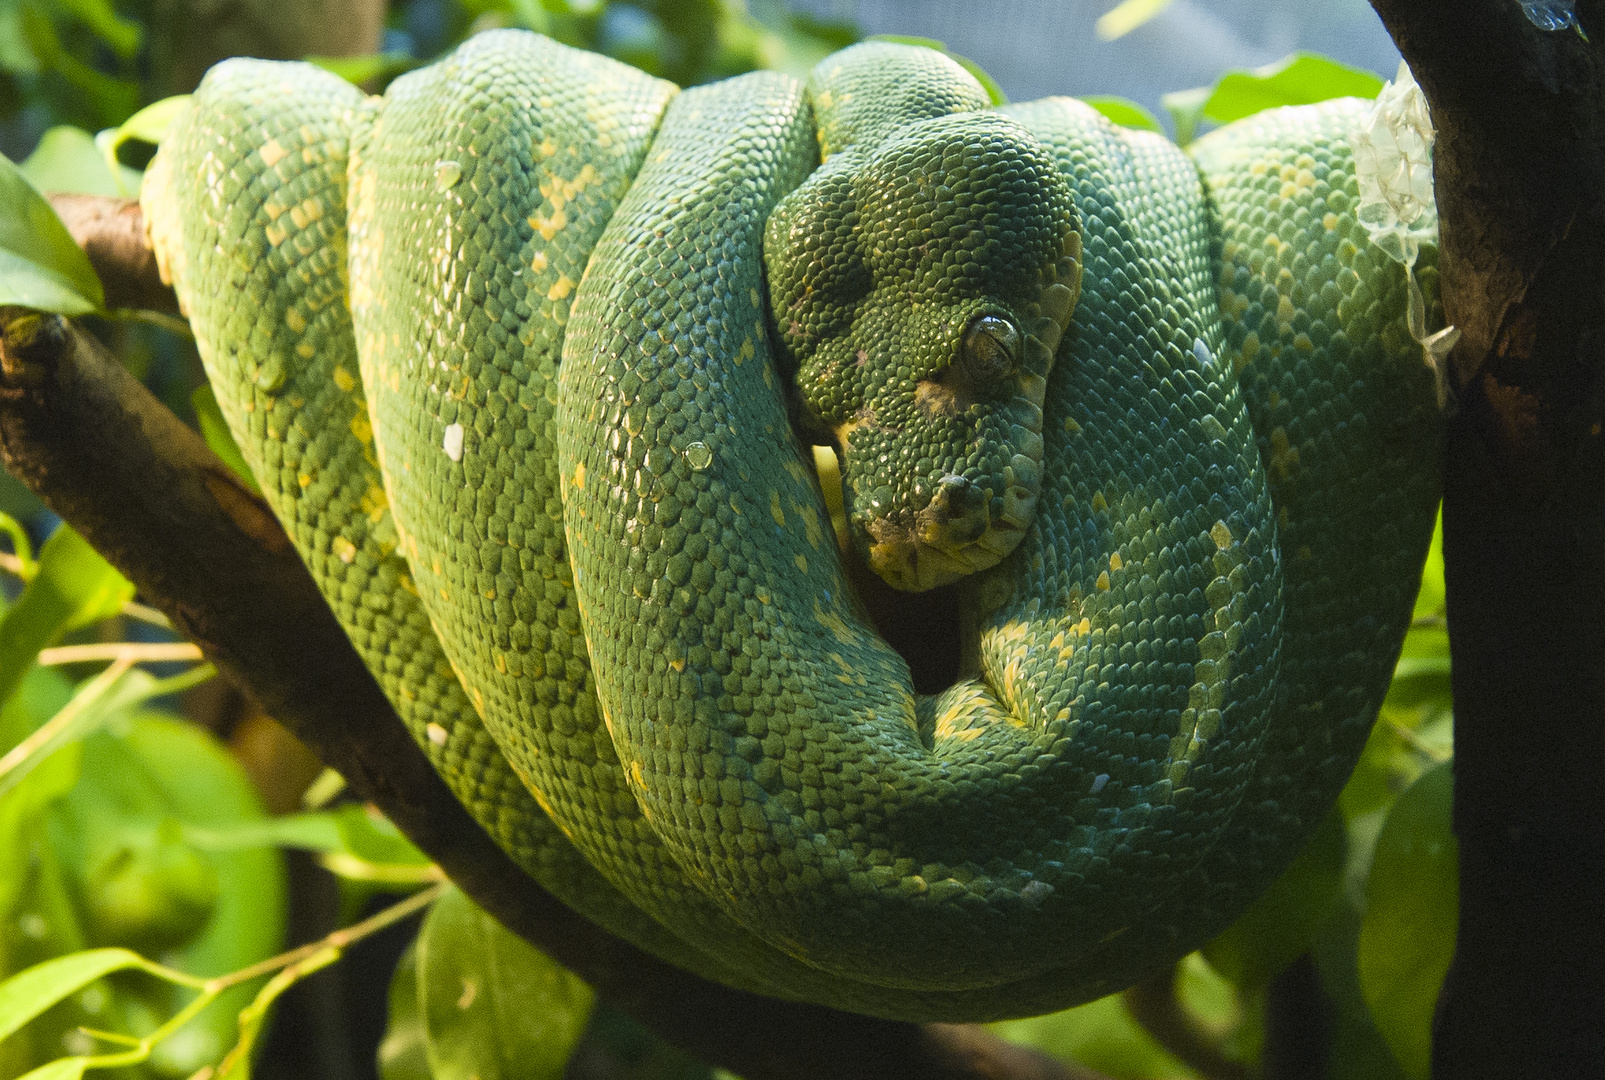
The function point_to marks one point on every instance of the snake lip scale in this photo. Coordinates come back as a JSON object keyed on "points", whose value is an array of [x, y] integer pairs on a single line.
{"points": [[515, 351]]}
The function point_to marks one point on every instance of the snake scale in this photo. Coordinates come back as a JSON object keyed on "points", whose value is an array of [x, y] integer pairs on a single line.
{"points": [[526, 355]]}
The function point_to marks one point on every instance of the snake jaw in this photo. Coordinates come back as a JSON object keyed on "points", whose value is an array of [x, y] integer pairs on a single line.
{"points": [[952, 536]]}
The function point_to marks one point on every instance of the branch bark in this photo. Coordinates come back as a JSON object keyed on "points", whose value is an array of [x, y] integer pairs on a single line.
{"points": [[112, 234], [1155, 1005], [144, 489], [1520, 162]]}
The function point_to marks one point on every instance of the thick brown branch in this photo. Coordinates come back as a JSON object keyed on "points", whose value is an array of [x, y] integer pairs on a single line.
{"points": [[1155, 1006], [146, 491], [1298, 1024], [1520, 163], [112, 234]]}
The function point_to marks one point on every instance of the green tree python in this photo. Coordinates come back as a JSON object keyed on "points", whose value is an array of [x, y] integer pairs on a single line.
{"points": [[526, 355]]}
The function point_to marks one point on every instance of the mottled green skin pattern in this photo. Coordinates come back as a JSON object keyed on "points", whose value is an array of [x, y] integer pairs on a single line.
{"points": [[1345, 418], [260, 268], [570, 515], [247, 209]]}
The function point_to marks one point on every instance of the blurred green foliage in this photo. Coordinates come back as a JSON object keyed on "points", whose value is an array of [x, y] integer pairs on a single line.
{"points": [[92, 64], [96, 788]]}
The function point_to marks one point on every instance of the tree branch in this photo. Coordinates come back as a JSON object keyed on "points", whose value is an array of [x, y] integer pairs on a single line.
{"points": [[112, 234], [1520, 172], [1155, 1005], [145, 491], [1298, 1024]]}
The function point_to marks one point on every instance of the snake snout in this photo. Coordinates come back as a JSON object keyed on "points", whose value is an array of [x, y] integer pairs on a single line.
{"points": [[958, 510], [962, 529]]}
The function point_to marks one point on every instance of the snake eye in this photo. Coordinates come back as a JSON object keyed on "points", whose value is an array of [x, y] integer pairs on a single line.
{"points": [[991, 349]]}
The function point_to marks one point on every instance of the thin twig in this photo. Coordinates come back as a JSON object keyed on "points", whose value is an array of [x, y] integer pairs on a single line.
{"points": [[354, 869], [147, 614], [338, 939], [1413, 739], [47, 731], [290, 967], [171, 323], [134, 652]]}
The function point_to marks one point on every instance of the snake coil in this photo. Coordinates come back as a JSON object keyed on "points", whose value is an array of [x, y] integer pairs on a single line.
{"points": [[518, 352]]}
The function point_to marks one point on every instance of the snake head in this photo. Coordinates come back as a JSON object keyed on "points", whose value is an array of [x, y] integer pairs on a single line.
{"points": [[920, 289]]}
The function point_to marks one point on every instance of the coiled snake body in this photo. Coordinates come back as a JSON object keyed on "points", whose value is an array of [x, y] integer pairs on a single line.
{"points": [[517, 353]]}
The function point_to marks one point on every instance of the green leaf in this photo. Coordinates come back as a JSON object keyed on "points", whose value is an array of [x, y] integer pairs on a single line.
{"points": [[306, 832], [142, 776], [1427, 641], [43, 693], [110, 98], [360, 844], [1358, 1050], [363, 69], [351, 828], [21, 546], [67, 159], [1419, 681], [214, 429], [147, 125], [87, 586], [29, 993], [1429, 600], [1300, 79], [1210, 999], [41, 267], [1125, 112], [123, 35], [93, 703], [988, 83], [494, 1007], [1186, 109], [201, 783], [40, 695], [1126, 16], [910, 39], [150, 124], [1283, 923], [16, 52], [403, 1054], [1100, 1035], [370, 836], [60, 1069], [20, 811], [74, 587], [1412, 906]]}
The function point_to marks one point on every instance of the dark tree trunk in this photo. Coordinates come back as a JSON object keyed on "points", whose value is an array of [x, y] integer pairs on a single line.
{"points": [[1520, 162]]}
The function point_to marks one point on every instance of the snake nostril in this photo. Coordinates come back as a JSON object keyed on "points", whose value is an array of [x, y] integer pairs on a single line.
{"points": [[952, 498]]}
